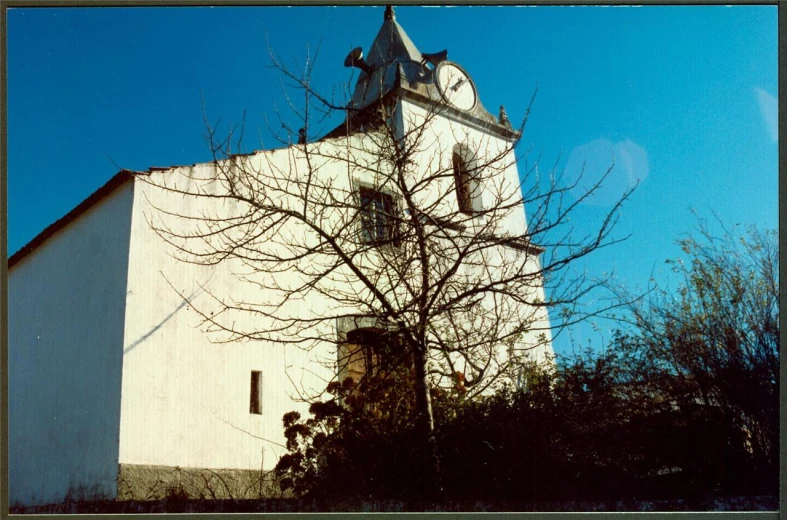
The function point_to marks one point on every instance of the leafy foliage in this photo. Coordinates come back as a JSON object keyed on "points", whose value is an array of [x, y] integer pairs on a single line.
{"points": [[362, 434], [717, 338], [684, 406]]}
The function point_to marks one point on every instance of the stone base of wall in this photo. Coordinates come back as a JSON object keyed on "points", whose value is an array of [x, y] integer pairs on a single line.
{"points": [[145, 482]]}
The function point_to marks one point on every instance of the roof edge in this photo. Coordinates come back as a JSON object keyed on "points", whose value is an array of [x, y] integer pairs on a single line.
{"points": [[117, 180], [120, 178], [350, 126]]}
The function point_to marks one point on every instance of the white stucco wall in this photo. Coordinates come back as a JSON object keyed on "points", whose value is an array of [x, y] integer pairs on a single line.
{"points": [[65, 338], [441, 132], [185, 392]]}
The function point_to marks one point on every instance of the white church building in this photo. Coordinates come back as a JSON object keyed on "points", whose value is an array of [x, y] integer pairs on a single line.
{"points": [[123, 383]]}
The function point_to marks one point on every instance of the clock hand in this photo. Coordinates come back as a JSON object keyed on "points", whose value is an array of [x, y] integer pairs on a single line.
{"points": [[458, 84]]}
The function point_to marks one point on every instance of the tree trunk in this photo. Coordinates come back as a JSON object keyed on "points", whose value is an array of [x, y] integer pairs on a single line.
{"points": [[427, 448]]}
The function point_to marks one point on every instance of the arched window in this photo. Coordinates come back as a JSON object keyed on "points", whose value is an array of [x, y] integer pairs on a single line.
{"points": [[468, 191]]}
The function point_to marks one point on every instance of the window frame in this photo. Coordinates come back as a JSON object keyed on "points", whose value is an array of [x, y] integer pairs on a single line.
{"points": [[379, 218]]}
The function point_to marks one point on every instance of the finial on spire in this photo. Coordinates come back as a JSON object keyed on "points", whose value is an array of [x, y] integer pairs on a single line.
{"points": [[389, 13]]}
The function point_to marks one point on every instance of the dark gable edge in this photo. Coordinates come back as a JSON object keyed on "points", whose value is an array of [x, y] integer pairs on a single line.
{"points": [[115, 182]]}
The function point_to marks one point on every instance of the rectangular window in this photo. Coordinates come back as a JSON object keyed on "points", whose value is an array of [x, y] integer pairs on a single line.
{"points": [[378, 217], [255, 405]]}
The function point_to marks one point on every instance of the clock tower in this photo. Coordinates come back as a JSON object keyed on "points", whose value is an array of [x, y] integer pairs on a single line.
{"points": [[463, 159], [395, 68]]}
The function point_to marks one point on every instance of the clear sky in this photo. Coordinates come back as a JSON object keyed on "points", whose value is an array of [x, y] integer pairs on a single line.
{"points": [[684, 97]]}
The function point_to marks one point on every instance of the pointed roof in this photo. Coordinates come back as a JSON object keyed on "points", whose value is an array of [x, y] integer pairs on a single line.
{"points": [[395, 64], [391, 46], [392, 43]]}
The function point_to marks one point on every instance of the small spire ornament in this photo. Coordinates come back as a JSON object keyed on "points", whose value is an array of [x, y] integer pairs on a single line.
{"points": [[503, 119]]}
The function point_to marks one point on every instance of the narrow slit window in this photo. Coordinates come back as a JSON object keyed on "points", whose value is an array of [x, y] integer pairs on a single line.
{"points": [[255, 406]]}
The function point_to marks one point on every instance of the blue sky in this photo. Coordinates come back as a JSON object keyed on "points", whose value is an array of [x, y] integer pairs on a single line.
{"points": [[683, 97]]}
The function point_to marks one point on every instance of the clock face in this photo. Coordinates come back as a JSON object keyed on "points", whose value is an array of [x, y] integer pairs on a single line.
{"points": [[456, 86]]}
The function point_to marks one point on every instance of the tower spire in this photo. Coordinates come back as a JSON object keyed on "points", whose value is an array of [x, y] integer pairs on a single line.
{"points": [[391, 47]]}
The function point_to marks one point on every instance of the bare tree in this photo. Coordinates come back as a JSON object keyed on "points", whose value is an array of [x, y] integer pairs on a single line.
{"points": [[384, 245]]}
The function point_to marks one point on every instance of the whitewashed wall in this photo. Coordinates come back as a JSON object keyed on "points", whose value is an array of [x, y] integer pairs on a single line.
{"points": [[186, 394], [442, 132], [65, 335]]}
